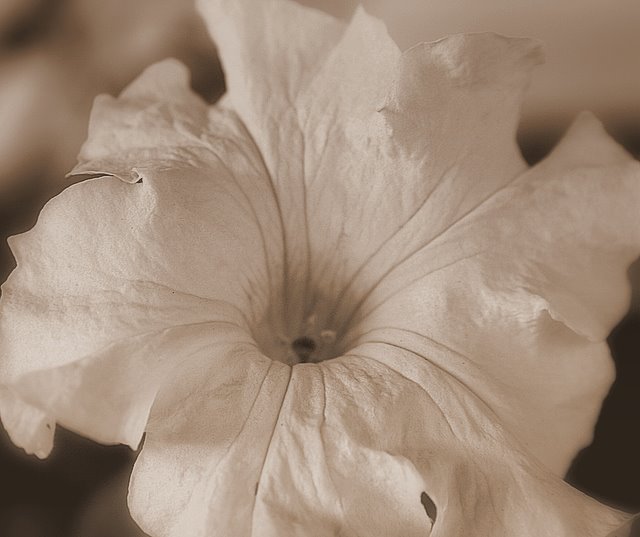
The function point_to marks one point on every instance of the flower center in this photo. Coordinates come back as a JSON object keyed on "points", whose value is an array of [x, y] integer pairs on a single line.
{"points": [[305, 322], [304, 347], [312, 343], [303, 339]]}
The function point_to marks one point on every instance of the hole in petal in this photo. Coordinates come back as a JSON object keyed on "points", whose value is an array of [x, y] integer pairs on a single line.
{"points": [[429, 507]]}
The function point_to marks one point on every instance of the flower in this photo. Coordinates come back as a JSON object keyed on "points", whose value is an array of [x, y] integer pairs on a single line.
{"points": [[337, 302]]}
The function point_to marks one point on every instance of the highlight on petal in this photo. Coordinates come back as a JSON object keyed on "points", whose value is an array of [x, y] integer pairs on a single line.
{"points": [[372, 204], [518, 296]]}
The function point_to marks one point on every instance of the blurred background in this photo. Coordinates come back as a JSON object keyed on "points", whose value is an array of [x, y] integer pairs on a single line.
{"points": [[57, 55]]}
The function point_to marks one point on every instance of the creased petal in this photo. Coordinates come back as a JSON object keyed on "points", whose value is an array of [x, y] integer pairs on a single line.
{"points": [[118, 283], [518, 297], [208, 436]]}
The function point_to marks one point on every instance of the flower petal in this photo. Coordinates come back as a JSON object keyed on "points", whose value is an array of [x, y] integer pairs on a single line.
{"points": [[29, 427], [353, 116], [425, 157], [268, 64], [630, 529], [442, 145], [208, 436], [346, 447], [517, 298], [118, 283]]}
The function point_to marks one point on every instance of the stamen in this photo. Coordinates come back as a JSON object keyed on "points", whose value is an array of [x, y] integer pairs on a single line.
{"points": [[328, 336]]}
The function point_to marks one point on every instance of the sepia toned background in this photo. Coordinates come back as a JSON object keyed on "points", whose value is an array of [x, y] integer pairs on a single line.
{"points": [[57, 55]]}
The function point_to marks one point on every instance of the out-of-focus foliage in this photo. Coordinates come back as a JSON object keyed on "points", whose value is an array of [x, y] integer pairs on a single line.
{"points": [[56, 55]]}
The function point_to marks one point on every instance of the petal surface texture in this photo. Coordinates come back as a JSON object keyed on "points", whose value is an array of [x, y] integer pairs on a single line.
{"points": [[378, 191]]}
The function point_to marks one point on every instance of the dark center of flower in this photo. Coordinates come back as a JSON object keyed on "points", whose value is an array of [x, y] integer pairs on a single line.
{"points": [[308, 341], [308, 328], [304, 347]]}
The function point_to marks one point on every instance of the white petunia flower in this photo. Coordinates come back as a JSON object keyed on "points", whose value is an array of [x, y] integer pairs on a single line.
{"points": [[337, 302]]}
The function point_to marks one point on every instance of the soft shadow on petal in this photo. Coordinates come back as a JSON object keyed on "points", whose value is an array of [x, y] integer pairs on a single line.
{"points": [[480, 478]]}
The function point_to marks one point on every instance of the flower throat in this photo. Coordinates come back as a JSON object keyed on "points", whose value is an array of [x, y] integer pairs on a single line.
{"points": [[287, 335]]}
